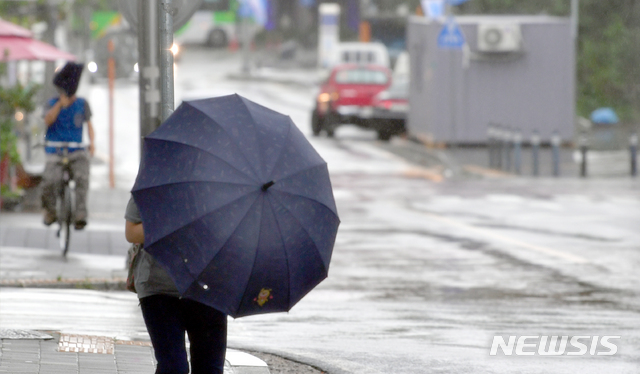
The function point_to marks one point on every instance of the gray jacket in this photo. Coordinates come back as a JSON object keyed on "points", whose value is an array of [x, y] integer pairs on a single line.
{"points": [[149, 276]]}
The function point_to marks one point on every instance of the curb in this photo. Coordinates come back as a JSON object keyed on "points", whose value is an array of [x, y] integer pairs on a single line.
{"points": [[102, 284]]}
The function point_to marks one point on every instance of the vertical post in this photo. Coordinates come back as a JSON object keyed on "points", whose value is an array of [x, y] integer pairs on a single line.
{"points": [[328, 33], [111, 75], [633, 150], [246, 43], [575, 23], [491, 145], [148, 67], [535, 150], [517, 151], [575, 16], [555, 144], [508, 140], [499, 147], [51, 17], [583, 154], [165, 20]]}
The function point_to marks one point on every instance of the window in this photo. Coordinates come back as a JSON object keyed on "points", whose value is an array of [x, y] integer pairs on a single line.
{"points": [[361, 76]]}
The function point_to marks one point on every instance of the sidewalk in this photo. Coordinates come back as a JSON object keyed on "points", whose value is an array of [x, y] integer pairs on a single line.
{"points": [[58, 353], [45, 352], [29, 257]]}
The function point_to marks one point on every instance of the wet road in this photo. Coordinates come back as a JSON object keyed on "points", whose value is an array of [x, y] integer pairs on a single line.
{"points": [[426, 271]]}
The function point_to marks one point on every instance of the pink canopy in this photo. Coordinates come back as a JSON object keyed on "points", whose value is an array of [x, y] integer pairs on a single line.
{"points": [[17, 48], [11, 29], [16, 43]]}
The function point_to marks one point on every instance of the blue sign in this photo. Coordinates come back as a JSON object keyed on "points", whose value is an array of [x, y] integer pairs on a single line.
{"points": [[433, 8], [451, 35]]}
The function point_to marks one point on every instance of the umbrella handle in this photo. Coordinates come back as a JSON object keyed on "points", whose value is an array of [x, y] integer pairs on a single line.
{"points": [[267, 185]]}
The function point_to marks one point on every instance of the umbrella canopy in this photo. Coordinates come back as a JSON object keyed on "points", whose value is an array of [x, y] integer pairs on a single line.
{"points": [[236, 205], [604, 116], [11, 29], [20, 48]]}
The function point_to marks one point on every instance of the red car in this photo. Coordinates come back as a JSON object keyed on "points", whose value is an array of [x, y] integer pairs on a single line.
{"points": [[347, 95]]}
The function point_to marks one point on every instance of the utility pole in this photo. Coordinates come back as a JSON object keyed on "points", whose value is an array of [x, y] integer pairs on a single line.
{"points": [[150, 116], [51, 10], [155, 22], [165, 14], [575, 16]]}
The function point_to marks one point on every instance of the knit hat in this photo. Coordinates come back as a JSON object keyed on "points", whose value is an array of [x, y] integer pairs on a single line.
{"points": [[68, 78]]}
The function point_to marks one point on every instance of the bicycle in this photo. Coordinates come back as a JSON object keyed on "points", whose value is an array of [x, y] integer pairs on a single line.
{"points": [[65, 202]]}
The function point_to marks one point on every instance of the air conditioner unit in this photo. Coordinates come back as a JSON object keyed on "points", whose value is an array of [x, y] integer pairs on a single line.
{"points": [[499, 37]]}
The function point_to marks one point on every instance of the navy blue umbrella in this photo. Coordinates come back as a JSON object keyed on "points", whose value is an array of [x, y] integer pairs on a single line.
{"points": [[237, 206]]}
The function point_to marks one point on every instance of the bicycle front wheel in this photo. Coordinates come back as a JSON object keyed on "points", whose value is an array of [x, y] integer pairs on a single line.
{"points": [[65, 221]]}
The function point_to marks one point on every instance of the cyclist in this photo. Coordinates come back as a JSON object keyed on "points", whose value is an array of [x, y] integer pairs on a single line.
{"points": [[65, 116]]}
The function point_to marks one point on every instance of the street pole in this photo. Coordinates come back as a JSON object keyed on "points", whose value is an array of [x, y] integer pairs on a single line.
{"points": [[165, 20], [49, 37], [111, 73], [148, 67], [246, 41], [575, 16], [453, 91]]}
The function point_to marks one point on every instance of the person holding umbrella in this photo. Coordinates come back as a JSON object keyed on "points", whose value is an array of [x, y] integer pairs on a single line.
{"points": [[65, 117], [168, 316], [236, 212]]}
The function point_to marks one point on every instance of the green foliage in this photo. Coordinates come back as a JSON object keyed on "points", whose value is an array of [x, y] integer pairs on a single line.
{"points": [[550, 7], [12, 99], [7, 193]]}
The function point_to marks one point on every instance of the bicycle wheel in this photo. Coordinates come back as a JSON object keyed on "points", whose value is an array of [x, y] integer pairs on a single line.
{"points": [[65, 221]]}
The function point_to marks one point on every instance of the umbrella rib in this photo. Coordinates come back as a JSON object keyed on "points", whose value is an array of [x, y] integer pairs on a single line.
{"points": [[311, 167], [286, 138], [255, 257], [303, 228], [200, 149], [285, 252], [310, 199], [225, 130], [185, 182], [206, 214]]}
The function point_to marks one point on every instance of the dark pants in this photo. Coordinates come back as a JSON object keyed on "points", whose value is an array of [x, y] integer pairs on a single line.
{"points": [[52, 182], [167, 318]]}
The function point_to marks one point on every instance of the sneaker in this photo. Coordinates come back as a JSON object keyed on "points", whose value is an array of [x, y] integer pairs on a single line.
{"points": [[80, 224], [49, 218]]}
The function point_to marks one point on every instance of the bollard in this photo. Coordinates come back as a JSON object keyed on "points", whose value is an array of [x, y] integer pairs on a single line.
{"points": [[508, 142], [555, 144], [504, 144], [535, 150], [517, 151], [633, 148], [491, 145], [583, 144], [497, 146]]}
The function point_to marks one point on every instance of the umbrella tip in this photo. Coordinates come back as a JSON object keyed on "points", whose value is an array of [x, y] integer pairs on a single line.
{"points": [[267, 185]]}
